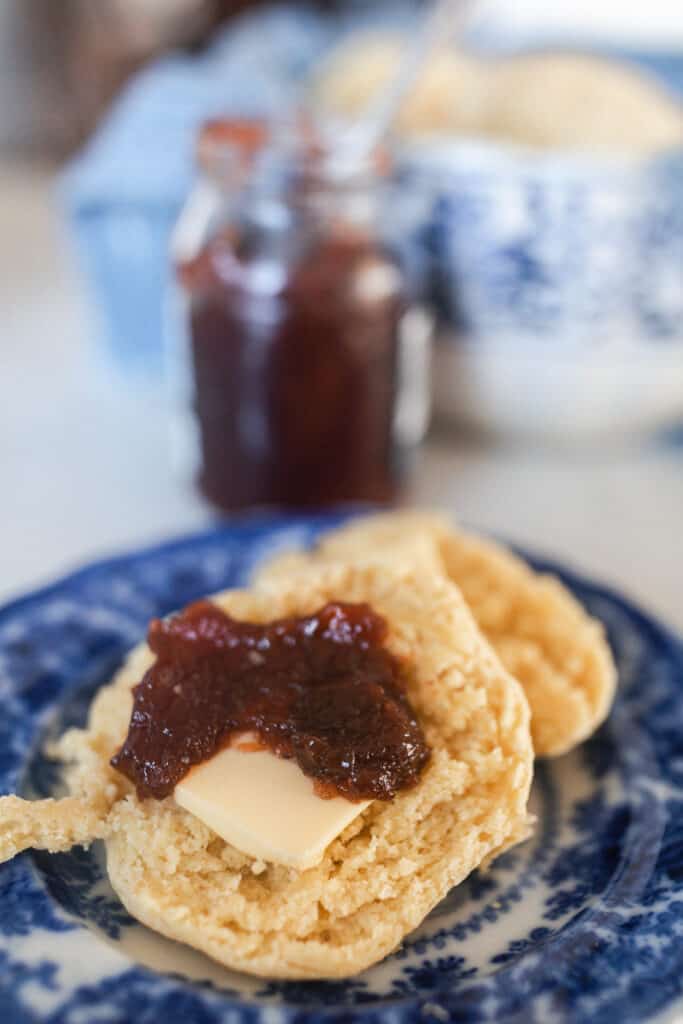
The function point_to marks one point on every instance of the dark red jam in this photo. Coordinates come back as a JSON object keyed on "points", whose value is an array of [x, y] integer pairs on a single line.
{"points": [[321, 689], [295, 393]]}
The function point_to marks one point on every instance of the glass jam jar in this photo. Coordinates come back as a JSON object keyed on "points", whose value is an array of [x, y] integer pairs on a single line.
{"points": [[304, 358]]}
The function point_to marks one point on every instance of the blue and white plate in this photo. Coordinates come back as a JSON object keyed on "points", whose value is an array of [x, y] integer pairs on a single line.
{"points": [[583, 923]]}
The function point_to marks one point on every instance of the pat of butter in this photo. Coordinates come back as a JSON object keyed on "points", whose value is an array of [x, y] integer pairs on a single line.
{"points": [[265, 806]]}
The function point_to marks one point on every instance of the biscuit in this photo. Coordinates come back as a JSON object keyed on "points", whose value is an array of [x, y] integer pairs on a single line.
{"points": [[539, 630], [54, 825], [382, 876]]}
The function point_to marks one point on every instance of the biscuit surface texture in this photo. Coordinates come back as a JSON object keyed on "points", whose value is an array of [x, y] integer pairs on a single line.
{"points": [[379, 879], [540, 632]]}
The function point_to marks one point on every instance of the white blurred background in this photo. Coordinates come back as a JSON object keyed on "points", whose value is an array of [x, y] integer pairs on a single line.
{"points": [[658, 24]]}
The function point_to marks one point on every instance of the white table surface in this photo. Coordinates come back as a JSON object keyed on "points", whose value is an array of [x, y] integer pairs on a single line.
{"points": [[85, 472]]}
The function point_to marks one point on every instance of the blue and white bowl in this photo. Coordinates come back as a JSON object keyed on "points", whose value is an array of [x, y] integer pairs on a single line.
{"points": [[559, 279]]}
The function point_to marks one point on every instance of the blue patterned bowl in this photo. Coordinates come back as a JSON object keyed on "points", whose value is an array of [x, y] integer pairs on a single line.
{"points": [[559, 280], [583, 923]]}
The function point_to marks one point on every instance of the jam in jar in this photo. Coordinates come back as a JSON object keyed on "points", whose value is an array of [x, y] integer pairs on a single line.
{"points": [[303, 355]]}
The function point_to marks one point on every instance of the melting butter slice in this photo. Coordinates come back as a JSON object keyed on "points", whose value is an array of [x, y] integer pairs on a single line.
{"points": [[265, 806]]}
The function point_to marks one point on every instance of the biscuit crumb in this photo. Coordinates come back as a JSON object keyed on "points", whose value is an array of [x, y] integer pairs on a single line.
{"points": [[53, 825]]}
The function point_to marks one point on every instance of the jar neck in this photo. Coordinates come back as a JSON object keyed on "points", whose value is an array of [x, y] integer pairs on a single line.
{"points": [[355, 203], [300, 187]]}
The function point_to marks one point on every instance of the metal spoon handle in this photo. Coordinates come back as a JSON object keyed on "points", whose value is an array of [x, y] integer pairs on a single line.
{"points": [[444, 21]]}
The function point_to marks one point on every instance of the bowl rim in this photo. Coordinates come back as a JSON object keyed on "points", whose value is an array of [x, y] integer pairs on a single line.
{"points": [[436, 154]]}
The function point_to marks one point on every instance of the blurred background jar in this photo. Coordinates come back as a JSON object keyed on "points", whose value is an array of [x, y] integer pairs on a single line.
{"points": [[299, 351]]}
